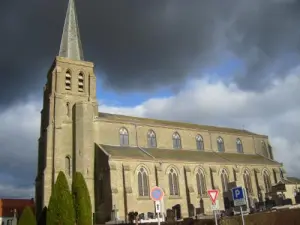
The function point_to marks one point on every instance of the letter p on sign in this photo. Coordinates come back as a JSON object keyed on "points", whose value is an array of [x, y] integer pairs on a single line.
{"points": [[237, 193]]}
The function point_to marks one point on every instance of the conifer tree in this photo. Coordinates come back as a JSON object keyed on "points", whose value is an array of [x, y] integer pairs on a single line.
{"points": [[82, 200], [61, 208], [27, 217]]}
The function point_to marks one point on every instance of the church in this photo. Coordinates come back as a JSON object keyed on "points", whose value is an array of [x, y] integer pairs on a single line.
{"points": [[123, 157]]}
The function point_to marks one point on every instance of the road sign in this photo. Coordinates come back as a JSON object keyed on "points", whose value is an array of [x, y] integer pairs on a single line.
{"points": [[157, 206], [213, 194], [238, 196], [215, 206], [157, 193]]}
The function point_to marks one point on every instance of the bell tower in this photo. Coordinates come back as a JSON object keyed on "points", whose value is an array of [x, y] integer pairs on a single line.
{"points": [[69, 107]]}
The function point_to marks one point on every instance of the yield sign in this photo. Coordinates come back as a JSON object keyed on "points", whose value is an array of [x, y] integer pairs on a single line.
{"points": [[213, 194]]}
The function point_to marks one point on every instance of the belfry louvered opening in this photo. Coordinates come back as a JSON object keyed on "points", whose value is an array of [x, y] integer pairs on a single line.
{"points": [[68, 78], [80, 82]]}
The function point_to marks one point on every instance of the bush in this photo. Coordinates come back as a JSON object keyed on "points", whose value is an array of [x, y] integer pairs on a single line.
{"points": [[27, 217], [61, 208], [82, 201]]}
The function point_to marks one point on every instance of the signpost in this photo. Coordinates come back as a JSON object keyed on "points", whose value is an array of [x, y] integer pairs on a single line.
{"points": [[213, 194], [157, 194], [239, 199], [157, 207]]}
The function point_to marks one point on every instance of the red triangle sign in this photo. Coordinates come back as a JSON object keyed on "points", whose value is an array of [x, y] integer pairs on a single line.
{"points": [[213, 194]]}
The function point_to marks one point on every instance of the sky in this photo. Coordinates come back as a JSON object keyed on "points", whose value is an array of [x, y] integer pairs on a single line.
{"points": [[235, 64]]}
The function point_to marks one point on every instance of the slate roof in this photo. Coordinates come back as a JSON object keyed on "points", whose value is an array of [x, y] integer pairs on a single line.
{"points": [[118, 152], [293, 180], [131, 119], [70, 46]]}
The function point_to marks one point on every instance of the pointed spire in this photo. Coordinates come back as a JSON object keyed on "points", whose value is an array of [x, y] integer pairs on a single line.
{"points": [[70, 46]]}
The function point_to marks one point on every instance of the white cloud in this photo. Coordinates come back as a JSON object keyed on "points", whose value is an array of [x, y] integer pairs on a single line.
{"points": [[18, 140], [274, 112]]}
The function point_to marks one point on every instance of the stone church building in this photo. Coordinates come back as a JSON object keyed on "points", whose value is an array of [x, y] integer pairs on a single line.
{"points": [[122, 157]]}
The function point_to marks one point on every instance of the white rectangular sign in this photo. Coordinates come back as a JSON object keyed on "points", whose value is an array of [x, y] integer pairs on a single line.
{"points": [[215, 206], [239, 196], [157, 207]]}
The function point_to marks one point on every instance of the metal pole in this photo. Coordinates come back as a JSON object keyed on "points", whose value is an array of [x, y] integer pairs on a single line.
{"points": [[216, 219], [243, 221], [158, 218]]}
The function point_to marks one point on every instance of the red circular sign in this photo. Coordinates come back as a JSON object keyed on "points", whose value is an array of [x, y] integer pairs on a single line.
{"points": [[157, 194]]}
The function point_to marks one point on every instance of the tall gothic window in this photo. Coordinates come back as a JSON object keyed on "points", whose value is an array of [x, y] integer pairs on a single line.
{"points": [[151, 139], [275, 176], [224, 180], [173, 182], [267, 181], [176, 141], [124, 137], [281, 174], [247, 182], [143, 182], [199, 142], [68, 165], [270, 151], [201, 184], [239, 146], [264, 149], [220, 143]]}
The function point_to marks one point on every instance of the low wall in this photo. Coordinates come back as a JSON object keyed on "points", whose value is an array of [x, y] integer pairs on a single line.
{"points": [[289, 216]]}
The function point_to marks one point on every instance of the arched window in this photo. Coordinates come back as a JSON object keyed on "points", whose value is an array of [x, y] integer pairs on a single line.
{"points": [[281, 174], [151, 139], [267, 181], [201, 184], [80, 82], [124, 138], [264, 149], [68, 80], [173, 182], [224, 180], [68, 109], [68, 165], [199, 142], [143, 182], [275, 176], [247, 182], [220, 143], [176, 141], [239, 146]]}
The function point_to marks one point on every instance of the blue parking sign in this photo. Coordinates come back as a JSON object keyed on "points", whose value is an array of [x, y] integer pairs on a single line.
{"points": [[238, 196]]}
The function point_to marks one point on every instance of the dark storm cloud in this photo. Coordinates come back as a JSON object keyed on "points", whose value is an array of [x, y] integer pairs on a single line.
{"points": [[146, 44]]}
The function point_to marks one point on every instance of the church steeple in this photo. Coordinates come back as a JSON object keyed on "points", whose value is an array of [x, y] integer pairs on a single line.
{"points": [[70, 46]]}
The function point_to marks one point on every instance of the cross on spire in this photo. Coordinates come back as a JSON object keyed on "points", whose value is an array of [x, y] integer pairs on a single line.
{"points": [[70, 46]]}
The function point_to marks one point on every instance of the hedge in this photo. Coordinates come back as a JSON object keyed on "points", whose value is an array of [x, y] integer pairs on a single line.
{"points": [[27, 217], [82, 201], [61, 208]]}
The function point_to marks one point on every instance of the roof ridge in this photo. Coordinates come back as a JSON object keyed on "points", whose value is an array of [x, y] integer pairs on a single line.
{"points": [[180, 123]]}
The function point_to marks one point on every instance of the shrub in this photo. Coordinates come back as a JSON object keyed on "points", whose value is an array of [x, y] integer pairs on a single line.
{"points": [[61, 208], [82, 201], [27, 217]]}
